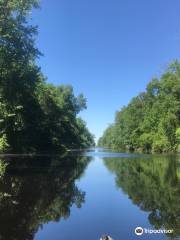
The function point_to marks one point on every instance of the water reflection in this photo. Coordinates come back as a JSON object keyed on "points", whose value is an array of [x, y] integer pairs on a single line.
{"points": [[34, 191], [154, 185]]}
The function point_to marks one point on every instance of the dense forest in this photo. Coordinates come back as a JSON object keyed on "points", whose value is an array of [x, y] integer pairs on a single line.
{"points": [[151, 121], [34, 115]]}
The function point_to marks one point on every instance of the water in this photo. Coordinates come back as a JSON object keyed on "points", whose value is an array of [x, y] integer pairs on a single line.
{"points": [[85, 195]]}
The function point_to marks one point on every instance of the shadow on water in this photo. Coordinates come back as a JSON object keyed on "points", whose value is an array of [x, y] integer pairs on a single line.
{"points": [[36, 190], [154, 185]]}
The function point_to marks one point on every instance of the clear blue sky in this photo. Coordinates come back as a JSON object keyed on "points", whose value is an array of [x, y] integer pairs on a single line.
{"points": [[107, 49]]}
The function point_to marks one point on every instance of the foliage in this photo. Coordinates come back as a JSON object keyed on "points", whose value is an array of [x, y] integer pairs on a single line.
{"points": [[3, 143], [3, 166], [178, 139], [151, 121], [34, 115]]}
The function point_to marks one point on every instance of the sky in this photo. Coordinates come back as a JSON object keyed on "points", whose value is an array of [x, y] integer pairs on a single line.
{"points": [[106, 49]]}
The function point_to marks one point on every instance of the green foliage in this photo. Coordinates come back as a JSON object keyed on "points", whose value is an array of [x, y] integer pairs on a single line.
{"points": [[146, 140], [3, 143], [3, 166], [178, 139], [151, 120], [83, 134], [178, 135], [34, 115]]}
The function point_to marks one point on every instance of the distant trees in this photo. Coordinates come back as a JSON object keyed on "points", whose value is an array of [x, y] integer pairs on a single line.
{"points": [[34, 115], [151, 121]]}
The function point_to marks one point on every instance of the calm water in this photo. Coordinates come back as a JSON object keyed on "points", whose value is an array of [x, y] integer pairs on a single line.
{"points": [[85, 195]]}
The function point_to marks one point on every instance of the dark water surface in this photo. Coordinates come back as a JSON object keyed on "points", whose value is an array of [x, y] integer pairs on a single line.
{"points": [[85, 195]]}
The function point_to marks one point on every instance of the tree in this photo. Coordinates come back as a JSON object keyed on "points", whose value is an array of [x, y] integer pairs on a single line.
{"points": [[151, 120], [34, 115]]}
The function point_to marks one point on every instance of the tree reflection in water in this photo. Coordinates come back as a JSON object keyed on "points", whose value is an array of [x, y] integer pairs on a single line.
{"points": [[154, 185], [34, 191]]}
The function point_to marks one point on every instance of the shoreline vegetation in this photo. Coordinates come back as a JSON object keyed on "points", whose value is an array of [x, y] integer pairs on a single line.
{"points": [[35, 116], [38, 117], [150, 123]]}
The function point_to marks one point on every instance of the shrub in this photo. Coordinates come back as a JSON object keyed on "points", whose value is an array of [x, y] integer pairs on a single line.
{"points": [[3, 143]]}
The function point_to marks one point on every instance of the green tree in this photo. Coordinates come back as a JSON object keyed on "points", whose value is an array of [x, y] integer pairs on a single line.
{"points": [[34, 115], [151, 120]]}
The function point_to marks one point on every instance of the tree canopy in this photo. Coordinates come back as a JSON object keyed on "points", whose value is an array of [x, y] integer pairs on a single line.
{"points": [[34, 115], [151, 121]]}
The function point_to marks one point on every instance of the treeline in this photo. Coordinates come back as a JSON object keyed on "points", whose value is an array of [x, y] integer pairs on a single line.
{"points": [[34, 115], [151, 121]]}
